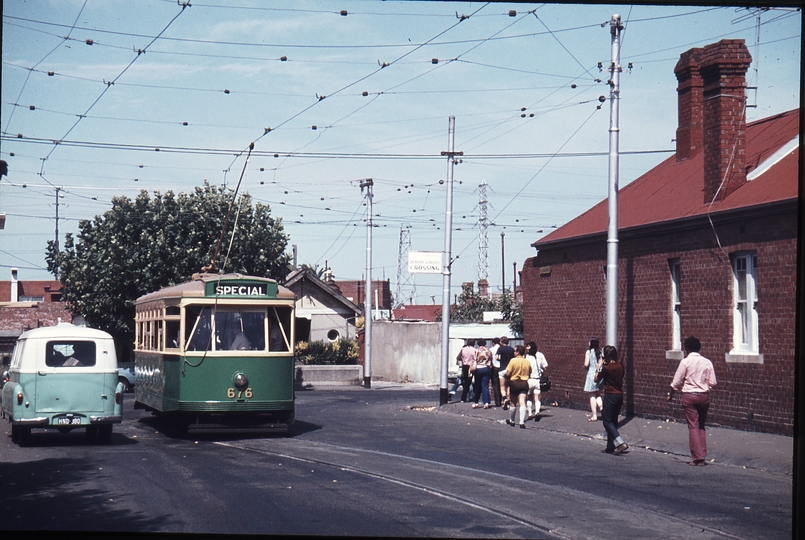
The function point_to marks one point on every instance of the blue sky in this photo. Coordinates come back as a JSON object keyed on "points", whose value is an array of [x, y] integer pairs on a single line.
{"points": [[349, 97]]}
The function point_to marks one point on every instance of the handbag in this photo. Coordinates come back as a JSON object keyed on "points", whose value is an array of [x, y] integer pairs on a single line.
{"points": [[473, 366], [544, 383]]}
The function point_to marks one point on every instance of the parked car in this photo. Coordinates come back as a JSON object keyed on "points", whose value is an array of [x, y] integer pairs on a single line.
{"points": [[125, 375], [63, 377]]}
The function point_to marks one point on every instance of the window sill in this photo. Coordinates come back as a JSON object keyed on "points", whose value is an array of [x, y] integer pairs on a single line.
{"points": [[743, 358], [674, 354]]}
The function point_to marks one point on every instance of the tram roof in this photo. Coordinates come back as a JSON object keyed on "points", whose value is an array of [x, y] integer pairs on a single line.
{"points": [[196, 287]]}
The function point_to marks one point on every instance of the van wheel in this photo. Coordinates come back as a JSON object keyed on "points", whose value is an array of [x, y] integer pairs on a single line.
{"points": [[92, 432], [125, 381], [21, 434], [105, 433]]}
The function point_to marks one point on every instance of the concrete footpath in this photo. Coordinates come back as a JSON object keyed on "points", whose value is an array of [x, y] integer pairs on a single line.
{"points": [[725, 446]]}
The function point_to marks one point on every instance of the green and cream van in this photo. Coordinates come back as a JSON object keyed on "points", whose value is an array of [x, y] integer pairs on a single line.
{"points": [[63, 377]]}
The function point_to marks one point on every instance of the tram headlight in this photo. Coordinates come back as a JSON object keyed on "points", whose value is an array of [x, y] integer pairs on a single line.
{"points": [[241, 381]]}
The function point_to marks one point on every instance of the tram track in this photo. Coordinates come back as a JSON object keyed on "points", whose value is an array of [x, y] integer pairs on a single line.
{"points": [[550, 510]]}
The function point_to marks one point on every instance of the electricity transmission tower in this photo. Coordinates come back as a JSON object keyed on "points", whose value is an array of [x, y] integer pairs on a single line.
{"points": [[483, 240], [406, 288]]}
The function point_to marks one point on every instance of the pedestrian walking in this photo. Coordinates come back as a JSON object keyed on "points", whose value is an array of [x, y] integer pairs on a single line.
{"points": [[593, 388], [694, 377], [538, 365], [466, 356], [505, 354], [611, 372], [518, 371], [483, 369], [495, 376]]}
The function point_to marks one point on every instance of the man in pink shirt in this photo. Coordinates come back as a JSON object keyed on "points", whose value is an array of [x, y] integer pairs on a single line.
{"points": [[694, 377]]}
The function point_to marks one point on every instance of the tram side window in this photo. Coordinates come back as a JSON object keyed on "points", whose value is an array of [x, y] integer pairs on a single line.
{"points": [[198, 327], [173, 326], [172, 334], [70, 354], [147, 329]]}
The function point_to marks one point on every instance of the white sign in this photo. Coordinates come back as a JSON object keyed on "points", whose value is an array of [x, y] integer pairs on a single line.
{"points": [[424, 262]]}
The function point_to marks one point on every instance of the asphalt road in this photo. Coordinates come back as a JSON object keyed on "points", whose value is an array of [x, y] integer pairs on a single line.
{"points": [[379, 462]]}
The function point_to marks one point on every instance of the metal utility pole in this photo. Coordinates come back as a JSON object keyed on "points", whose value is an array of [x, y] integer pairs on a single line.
{"points": [[367, 293], [57, 218], [58, 193], [502, 264], [514, 282], [446, 259], [612, 229]]}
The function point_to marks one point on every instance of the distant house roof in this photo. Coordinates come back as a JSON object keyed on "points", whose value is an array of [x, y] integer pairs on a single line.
{"points": [[673, 190], [301, 274]]}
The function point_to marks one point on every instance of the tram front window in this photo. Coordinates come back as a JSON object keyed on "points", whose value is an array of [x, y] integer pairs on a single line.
{"points": [[230, 330], [279, 333], [198, 328], [240, 331]]}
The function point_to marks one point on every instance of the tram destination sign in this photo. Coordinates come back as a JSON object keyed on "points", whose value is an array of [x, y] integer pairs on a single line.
{"points": [[240, 289]]}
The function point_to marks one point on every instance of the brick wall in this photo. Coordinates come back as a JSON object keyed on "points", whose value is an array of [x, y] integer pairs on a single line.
{"points": [[354, 291], [24, 316], [565, 302]]}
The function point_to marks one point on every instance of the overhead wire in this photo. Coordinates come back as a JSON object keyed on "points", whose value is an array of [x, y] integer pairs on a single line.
{"points": [[346, 155], [54, 49], [111, 83]]}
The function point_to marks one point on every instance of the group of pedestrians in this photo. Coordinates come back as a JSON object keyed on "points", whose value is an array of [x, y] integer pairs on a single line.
{"points": [[513, 373], [509, 375], [694, 378]]}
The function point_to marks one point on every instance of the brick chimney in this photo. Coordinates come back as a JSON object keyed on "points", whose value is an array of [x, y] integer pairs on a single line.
{"points": [[483, 288], [723, 67], [15, 286], [712, 113], [689, 132]]}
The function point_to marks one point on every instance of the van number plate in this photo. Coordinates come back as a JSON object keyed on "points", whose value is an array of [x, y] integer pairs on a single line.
{"points": [[65, 421]]}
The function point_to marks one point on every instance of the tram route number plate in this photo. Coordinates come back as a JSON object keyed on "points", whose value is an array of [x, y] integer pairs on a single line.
{"points": [[234, 393], [67, 421]]}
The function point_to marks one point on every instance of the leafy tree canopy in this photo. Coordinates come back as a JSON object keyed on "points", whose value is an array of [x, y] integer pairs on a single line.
{"points": [[470, 307], [151, 242]]}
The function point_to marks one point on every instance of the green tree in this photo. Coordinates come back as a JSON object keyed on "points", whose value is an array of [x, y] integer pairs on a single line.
{"points": [[512, 313], [145, 244], [315, 270], [470, 305]]}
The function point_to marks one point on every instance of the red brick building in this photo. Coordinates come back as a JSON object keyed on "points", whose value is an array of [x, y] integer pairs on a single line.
{"points": [[25, 305], [354, 291], [707, 247]]}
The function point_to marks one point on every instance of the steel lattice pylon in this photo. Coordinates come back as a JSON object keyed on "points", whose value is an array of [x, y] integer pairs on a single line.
{"points": [[406, 288], [483, 240]]}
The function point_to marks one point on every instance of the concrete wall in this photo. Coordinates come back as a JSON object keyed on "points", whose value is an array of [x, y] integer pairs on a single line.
{"points": [[406, 351], [412, 351]]}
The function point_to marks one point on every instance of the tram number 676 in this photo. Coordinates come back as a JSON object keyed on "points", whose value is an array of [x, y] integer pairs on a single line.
{"points": [[233, 393]]}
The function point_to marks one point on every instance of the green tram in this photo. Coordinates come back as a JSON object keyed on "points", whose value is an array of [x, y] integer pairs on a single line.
{"points": [[217, 352]]}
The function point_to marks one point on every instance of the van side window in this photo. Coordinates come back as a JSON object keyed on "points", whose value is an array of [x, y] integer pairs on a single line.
{"points": [[70, 354]]}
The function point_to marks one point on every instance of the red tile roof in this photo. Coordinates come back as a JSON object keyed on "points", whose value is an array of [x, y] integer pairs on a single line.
{"points": [[674, 190]]}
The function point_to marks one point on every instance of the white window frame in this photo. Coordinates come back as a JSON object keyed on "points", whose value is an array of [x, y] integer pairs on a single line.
{"points": [[744, 304], [676, 304]]}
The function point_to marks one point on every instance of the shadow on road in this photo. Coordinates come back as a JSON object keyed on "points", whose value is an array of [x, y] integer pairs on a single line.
{"points": [[48, 495]]}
